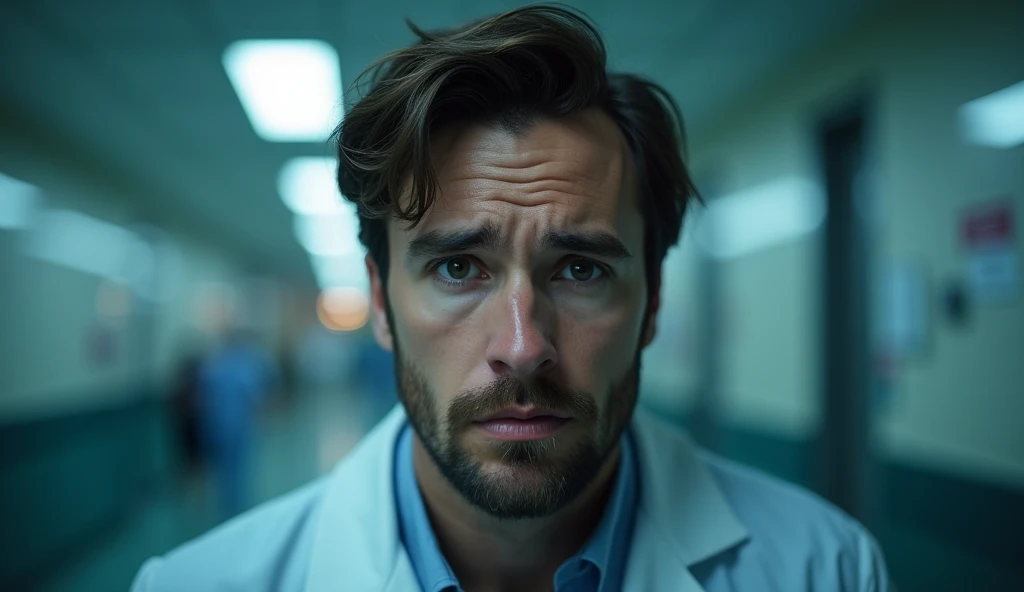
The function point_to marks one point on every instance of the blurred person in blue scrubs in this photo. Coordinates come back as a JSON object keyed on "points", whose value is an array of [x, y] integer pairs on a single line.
{"points": [[234, 378], [517, 202]]}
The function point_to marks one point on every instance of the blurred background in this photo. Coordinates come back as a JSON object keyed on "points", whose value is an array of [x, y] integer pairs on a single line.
{"points": [[182, 298]]}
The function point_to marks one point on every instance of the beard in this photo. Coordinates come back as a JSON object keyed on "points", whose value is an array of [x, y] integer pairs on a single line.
{"points": [[533, 478]]}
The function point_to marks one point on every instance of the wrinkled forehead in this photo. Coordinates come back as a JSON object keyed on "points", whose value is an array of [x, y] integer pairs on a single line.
{"points": [[576, 171]]}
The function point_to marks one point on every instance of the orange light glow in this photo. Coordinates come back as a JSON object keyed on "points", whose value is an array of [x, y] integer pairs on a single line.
{"points": [[343, 309]]}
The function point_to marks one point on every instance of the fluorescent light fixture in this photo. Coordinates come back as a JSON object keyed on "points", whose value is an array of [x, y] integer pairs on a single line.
{"points": [[995, 120], [17, 201], [325, 224], [83, 243], [290, 89], [760, 217], [341, 272], [308, 187], [329, 235]]}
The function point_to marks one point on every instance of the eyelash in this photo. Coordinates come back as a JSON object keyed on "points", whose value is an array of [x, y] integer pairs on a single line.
{"points": [[606, 273], [595, 283], [434, 266]]}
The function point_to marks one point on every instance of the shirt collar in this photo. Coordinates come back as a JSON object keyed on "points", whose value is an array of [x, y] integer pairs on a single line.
{"points": [[431, 568], [606, 550]]}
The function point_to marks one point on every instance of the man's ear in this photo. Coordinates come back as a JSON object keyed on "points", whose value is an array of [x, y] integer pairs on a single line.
{"points": [[378, 306], [651, 322]]}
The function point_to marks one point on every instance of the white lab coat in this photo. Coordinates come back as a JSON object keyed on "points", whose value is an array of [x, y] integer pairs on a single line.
{"points": [[702, 523]]}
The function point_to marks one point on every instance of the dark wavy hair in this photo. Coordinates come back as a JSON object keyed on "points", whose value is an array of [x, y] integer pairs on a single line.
{"points": [[512, 70]]}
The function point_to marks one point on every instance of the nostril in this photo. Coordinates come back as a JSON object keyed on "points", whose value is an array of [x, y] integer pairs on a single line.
{"points": [[499, 367]]}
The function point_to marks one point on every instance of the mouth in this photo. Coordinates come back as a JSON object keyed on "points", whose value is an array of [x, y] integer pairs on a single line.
{"points": [[522, 424]]}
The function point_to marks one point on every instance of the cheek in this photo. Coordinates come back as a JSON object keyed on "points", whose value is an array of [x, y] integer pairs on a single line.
{"points": [[438, 342], [597, 351]]}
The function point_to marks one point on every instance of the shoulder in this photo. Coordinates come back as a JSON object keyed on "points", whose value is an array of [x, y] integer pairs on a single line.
{"points": [[263, 549], [794, 535], [765, 502]]}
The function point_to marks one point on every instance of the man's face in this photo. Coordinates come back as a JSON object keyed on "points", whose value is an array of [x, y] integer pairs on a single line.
{"points": [[516, 310]]}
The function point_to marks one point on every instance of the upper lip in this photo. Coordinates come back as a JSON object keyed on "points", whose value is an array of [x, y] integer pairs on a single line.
{"points": [[523, 413]]}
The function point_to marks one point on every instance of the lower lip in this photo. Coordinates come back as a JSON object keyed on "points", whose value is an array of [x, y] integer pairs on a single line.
{"points": [[521, 430]]}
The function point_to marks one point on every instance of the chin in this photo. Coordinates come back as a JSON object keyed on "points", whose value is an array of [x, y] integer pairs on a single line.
{"points": [[520, 492], [546, 453], [516, 477], [515, 480]]}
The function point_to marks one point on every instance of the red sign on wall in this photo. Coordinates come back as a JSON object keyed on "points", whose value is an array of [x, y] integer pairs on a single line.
{"points": [[988, 225], [993, 264]]}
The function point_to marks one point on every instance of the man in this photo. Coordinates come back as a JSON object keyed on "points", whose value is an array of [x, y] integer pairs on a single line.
{"points": [[517, 202]]}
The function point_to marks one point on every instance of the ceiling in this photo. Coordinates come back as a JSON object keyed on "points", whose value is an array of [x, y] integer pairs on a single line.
{"points": [[136, 87]]}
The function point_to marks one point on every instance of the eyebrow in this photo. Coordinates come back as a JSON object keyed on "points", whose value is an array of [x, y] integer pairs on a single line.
{"points": [[437, 243], [598, 243]]}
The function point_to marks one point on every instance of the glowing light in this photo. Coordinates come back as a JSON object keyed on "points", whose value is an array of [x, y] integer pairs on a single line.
{"points": [[93, 246], [757, 218], [332, 235], [347, 271], [997, 119], [343, 309], [17, 201], [290, 89], [308, 187]]}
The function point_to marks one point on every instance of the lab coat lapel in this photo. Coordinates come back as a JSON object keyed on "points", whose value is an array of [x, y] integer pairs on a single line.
{"points": [[654, 565], [356, 545], [682, 517]]}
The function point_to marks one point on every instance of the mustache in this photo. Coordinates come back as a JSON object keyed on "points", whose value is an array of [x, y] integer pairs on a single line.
{"points": [[509, 391]]}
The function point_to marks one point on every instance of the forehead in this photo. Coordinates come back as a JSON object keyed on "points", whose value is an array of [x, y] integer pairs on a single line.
{"points": [[575, 172]]}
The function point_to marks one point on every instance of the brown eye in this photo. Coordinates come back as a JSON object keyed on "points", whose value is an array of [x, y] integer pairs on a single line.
{"points": [[581, 270], [456, 268]]}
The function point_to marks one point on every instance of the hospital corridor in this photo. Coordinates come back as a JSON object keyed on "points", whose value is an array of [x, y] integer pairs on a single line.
{"points": [[189, 327]]}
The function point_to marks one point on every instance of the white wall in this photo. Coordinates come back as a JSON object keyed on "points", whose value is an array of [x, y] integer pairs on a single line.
{"points": [[53, 314], [963, 404], [959, 406], [670, 376], [768, 325], [50, 313]]}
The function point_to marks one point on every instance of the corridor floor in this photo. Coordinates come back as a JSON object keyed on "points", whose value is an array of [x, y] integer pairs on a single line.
{"points": [[297, 441]]}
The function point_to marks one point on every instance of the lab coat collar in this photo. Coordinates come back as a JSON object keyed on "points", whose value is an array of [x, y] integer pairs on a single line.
{"points": [[682, 517]]}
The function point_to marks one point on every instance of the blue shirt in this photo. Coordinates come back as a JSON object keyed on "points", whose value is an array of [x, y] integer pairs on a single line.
{"points": [[598, 567]]}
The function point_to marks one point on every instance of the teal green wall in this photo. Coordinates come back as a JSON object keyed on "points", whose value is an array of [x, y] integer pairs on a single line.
{"points": [[66, 479]]}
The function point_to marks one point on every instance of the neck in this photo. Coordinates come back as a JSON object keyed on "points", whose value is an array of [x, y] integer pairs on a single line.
{"points": [[491, 554]]}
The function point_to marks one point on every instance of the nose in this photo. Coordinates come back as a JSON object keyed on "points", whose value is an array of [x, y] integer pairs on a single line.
{"points": [[521, 341]]}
